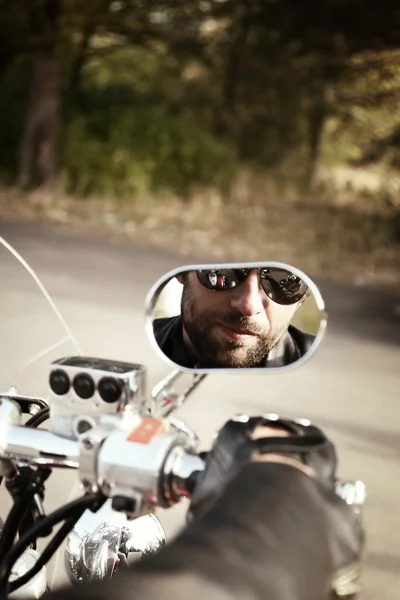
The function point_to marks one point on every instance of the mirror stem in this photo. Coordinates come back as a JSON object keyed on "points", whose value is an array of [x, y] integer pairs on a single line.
{"points": [[165, 400]]}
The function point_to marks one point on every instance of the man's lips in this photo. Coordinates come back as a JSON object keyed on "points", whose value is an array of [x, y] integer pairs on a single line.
{"points": [[237, 333]]}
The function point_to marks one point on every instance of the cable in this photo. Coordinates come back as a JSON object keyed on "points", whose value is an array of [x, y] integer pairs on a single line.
{"points": [[15, 516], [47, 553], [39, 418], [61, 514], [21, 506]]}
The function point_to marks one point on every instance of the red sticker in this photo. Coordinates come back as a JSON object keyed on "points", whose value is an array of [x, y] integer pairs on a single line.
{"points": [[147, 430]]}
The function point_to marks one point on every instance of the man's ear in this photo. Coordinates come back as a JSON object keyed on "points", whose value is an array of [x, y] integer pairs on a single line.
{"points": [[180, 278]]}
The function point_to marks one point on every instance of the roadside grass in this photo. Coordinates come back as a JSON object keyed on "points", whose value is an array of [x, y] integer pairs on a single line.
{"points": [[335, 232]]}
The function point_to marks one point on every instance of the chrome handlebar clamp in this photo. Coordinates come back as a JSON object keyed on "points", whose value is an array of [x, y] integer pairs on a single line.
{"points": [[131, 465]]}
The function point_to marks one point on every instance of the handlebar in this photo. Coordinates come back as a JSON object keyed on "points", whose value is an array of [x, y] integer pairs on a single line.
{"points": [[34, 447], [38, 447], [139, 462]]}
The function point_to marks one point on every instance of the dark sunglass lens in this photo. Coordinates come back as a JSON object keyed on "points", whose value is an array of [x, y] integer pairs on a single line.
{"points": [[222, 279], [283, 287]]}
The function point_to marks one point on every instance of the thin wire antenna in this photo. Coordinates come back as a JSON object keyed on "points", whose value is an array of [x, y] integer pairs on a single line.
{"points": [[43, 353], [40, 285]]}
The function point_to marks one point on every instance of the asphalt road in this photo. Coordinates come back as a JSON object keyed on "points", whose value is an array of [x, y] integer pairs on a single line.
{"points": [[350, 386]]}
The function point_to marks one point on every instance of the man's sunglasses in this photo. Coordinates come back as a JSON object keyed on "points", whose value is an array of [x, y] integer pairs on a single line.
{"points": [[281, 286]]}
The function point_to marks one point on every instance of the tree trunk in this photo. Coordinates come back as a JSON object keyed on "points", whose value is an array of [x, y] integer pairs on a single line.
{"points": [[225, 114], [316, 123], [38, 166], [39, 151]]}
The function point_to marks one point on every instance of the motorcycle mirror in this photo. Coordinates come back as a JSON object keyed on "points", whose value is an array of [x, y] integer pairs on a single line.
{"points": [[209, 317]]}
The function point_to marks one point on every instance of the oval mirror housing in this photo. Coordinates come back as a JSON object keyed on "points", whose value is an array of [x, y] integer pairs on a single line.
{"points": [[234, 316]]}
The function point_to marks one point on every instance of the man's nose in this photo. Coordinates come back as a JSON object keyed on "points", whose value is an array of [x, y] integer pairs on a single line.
{"points": [[247, 297]]}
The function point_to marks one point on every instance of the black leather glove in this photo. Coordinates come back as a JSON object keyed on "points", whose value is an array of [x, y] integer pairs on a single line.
{"points": [[234, 446]]}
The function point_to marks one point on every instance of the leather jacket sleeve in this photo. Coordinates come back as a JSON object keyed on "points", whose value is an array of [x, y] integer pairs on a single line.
{"points": [[266, 538]]}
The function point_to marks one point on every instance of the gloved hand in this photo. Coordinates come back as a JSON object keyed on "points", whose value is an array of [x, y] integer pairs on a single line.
{"points": [[304, 446]]}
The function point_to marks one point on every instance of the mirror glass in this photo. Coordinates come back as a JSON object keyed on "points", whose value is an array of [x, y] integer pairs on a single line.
{"points": [[235, 316]]}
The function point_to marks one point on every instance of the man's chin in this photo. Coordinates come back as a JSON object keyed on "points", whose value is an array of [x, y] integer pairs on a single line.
{"points": [[238, 360]]}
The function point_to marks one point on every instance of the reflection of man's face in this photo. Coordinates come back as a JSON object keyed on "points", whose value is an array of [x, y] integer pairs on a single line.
{"points": [[232, 328]]}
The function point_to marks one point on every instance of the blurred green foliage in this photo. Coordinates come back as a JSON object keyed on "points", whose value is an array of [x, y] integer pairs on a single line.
{"points": [[13, 106], [308, 316], [136, 151], [173, 96]]}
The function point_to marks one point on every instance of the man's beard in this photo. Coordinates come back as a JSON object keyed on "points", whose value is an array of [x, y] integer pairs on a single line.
{"points": [[199, 325]]}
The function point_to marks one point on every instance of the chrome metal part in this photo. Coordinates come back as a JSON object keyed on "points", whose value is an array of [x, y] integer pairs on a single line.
{"points": [[131, 465], [102, 542], [168, 400], [178, 476], [71, 412], [38, 447], [35, 587], [353, 492]]}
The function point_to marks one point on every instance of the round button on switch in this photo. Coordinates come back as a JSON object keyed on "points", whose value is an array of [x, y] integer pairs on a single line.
{"points": [[59, 382], [83, 385], [109, 389]]}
